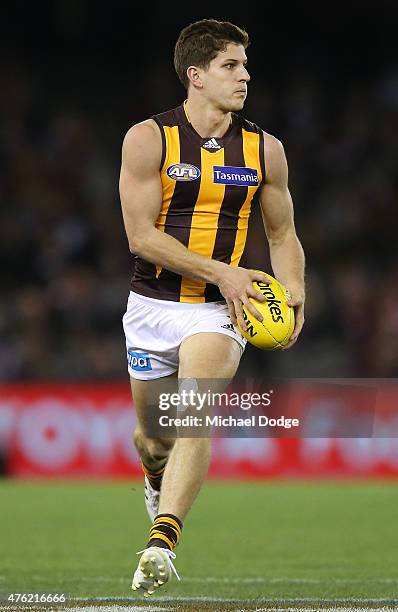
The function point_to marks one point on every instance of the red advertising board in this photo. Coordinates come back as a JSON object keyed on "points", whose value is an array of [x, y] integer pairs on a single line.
{"points": [[86, 431]]}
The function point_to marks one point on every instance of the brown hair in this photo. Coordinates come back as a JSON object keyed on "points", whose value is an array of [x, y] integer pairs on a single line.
{"points": [[200, 42]]}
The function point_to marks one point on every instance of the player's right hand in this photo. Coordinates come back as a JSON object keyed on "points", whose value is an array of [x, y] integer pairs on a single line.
{"points": [[236, 286]]}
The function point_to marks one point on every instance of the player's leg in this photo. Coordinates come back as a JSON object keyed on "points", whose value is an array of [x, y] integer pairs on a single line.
{"points": [[155, 565], [214, 359], [152, 449]]}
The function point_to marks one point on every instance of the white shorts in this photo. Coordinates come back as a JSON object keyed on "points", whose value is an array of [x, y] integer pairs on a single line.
{"points": [[155, 329]]}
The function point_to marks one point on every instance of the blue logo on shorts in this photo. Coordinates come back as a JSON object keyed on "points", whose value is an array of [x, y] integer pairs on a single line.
{"points": [[139, 361], [235, 175]]}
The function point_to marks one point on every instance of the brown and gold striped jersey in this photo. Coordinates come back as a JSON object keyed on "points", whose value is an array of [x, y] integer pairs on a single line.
{"points": [[208, 188]]}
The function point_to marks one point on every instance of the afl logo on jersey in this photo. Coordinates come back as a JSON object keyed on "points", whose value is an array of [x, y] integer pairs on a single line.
{"points": [[183, 172]]}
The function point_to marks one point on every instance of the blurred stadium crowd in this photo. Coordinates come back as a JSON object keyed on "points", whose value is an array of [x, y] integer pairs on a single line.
{"points": [[65, 264]]}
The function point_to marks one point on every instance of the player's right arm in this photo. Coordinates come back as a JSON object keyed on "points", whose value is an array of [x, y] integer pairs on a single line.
{"points": [[141, 198]]}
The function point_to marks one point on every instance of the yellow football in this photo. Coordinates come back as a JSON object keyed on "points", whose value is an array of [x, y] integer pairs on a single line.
{"points": [[277, 326]]}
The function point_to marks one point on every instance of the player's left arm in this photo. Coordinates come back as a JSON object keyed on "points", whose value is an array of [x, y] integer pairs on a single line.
{"points": [[286, 252]]}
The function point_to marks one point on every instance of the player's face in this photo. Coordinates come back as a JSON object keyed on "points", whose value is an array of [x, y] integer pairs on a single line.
{"points": [[225, 81]]}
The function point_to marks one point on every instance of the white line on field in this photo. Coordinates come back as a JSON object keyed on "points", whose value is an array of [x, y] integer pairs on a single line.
{"points": [[126, 606], [337, 601], [263, 580], [149, 608], [227, 579]]}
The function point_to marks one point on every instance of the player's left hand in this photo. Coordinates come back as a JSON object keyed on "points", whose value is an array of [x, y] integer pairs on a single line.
{"points": [[297, 302]]}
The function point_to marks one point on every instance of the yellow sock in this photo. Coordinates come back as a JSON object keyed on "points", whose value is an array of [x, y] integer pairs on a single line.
{"points": [[155, 478], [165, 531]]}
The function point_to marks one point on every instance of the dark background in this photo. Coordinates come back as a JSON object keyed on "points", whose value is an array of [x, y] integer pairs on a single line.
{"points": [[74, 76]]}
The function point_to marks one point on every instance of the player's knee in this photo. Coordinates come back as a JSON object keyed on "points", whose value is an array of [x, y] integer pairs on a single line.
{"points": [[159, 447], [137, 438]]}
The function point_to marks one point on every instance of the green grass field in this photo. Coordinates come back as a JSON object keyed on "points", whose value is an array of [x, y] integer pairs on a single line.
{"points": [[265, 542]]}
